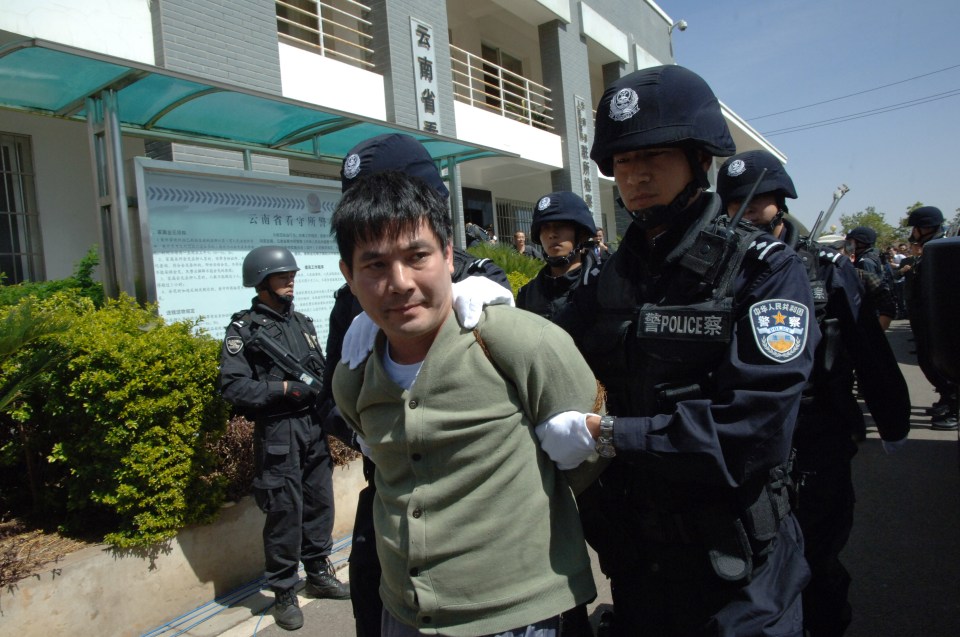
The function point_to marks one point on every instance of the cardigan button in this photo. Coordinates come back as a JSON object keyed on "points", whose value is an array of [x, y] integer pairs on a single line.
{"points": [[414, 403], [414, 571], [416, 457], [427, 619], [417, 512]]}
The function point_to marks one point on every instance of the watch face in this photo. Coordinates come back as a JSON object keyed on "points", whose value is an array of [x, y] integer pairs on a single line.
{"points": [[606, 450]]}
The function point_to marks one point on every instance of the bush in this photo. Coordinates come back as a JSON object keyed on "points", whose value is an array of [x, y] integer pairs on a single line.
{"points": [[81, 282], [519, 268], [127, 417]]}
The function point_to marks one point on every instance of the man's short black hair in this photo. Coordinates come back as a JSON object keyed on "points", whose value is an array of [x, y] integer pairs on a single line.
{"points": [[387, 204]]}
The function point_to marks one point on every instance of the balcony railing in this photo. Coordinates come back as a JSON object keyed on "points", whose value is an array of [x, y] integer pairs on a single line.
{"points": [[486, 85], [336, 28]]}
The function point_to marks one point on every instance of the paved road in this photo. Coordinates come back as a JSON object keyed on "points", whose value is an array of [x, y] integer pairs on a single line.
{"points": [[904, 554]]}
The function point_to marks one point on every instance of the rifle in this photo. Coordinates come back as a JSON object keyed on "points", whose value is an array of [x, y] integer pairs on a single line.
{"points": [[824, 218], [286, 361]]}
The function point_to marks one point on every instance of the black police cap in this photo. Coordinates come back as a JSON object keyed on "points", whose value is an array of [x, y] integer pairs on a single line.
{"points": [[561, 206], [738, 174], [925, 217], [863, 234], [391, 151], [657, 107]]}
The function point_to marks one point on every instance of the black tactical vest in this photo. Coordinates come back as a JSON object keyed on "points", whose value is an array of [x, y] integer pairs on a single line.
{"points": [[656, 345]]}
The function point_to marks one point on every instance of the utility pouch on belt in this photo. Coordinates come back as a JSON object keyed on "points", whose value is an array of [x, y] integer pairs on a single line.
{"points": [[730, 553]]}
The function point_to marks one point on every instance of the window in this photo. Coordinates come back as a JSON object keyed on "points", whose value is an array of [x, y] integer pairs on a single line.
{"points": [[21, 256]]}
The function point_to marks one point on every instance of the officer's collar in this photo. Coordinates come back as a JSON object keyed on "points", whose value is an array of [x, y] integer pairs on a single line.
{"points": [[263, 308]]}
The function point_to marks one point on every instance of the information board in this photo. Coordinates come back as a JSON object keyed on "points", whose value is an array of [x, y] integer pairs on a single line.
{"points": [[197, 224]]}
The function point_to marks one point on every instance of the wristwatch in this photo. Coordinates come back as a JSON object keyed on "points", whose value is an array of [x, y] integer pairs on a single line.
{"points": [[605, 439]]}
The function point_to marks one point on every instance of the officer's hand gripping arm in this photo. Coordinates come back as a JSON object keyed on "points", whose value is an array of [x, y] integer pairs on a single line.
{"points": [[472, 294]]}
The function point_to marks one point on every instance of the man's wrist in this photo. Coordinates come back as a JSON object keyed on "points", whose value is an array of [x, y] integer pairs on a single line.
{"points": [[605, 437]]}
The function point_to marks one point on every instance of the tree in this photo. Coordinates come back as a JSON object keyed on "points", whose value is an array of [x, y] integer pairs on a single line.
{"points": [[886, 234]]}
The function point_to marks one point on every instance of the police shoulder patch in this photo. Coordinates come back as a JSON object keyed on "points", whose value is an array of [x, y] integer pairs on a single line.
{"points": [[234, 344], [780, 328], [760, 249]]}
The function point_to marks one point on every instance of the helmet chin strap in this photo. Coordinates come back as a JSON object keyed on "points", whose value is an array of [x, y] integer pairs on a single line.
{"points": [[773, 223], [284, 300], [664, 214], [560, 262]]}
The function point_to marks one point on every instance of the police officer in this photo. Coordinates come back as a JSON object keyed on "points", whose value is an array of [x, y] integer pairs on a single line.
{"points": [[852, 340], [293, 482], [564, 229], [926, 225], [860, 244], [701, 331], [392, 151]]}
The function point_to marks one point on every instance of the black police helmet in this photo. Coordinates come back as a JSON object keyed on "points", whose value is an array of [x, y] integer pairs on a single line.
{"points": [[391, 151], [266, 260], [863, 234], [739, 173], [655, 107], [925, 217], [561, 206]]}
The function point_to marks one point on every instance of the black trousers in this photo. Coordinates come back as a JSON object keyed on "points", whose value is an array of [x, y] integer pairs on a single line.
{"points": [[675, 593], [825, 513], [365, 567], [293, 486]]}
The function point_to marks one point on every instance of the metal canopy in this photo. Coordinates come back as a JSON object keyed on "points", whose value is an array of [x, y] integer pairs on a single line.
{"points": [[47, 78]]}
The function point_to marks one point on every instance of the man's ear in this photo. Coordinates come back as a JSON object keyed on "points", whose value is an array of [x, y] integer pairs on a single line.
{"points": [[347, 275], [448, 256]]}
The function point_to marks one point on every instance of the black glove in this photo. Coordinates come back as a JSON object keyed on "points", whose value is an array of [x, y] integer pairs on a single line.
{"points": [[299, 393]]}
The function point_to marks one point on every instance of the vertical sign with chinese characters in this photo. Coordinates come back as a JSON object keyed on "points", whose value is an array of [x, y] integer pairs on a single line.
{"points": [[425, 80], [583, 142]]}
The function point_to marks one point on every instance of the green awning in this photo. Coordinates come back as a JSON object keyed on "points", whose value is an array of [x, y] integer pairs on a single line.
{"points": [[51, 79]]}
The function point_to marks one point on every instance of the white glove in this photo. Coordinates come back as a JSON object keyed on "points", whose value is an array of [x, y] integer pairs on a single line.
{"points": [[893, 447], [364, 447], [358, 341], [472, 294], [566, 439]]}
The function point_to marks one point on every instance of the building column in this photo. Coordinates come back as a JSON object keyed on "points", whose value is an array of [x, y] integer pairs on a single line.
{"points": [[566, 72]]}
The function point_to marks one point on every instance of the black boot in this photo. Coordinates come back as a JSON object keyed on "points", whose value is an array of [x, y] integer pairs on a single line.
{"points": [[325, 584], [286, 610]]}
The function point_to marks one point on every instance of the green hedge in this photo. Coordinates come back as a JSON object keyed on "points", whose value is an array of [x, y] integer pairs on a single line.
{"points": [[119, 429]]}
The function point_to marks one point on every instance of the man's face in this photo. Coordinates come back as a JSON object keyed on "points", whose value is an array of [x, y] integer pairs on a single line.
{"points": [[558, 238], [760, 211], [281, 283], [651, 176], [520, 238], [403, 284], [599, 235], [922, 235]]}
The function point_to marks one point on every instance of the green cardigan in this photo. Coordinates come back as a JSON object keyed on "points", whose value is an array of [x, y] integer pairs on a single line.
{"points": [[477, 530]]}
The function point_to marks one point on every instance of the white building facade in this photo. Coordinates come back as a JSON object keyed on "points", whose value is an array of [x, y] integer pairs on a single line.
{"points": [[517, 76]]}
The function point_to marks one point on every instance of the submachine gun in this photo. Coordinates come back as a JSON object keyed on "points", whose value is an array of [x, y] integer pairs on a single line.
{"points": [[285, 360]]}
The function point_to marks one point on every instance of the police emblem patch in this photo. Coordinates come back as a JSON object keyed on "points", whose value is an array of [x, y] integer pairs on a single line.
{"points": [[780, 328], [736, 168], [351, 167], [624, 105], [234, 344], [543, 204]]}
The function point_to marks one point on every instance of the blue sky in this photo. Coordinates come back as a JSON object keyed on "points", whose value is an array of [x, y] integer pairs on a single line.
{"points": [[771, 56]]}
